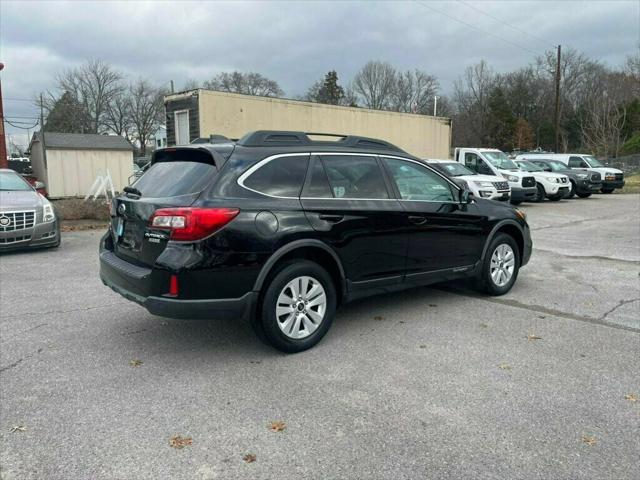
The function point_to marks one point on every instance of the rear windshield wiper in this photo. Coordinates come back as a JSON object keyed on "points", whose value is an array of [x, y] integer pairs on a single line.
{"points": [[132, 191]]}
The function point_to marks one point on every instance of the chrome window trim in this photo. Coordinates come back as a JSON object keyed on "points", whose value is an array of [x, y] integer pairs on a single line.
{"points": [[268, 159]]}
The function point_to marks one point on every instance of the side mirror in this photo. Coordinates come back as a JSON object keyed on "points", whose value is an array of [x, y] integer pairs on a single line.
{"points": [[38, 185], [465, 196]]}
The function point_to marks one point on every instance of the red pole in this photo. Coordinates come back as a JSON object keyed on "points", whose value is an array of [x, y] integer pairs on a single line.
{"points": [[3, 141]]}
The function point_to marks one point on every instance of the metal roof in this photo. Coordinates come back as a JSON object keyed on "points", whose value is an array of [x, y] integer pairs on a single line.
{"points": [[83, 141]]}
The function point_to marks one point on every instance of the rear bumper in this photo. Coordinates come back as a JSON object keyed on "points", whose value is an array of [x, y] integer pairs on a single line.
{"points": [[40, 236], [609, 184], [523, 194], [132, 282]]}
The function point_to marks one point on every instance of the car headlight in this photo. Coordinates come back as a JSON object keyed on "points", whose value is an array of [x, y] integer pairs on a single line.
{"points": [[47, 212], [483, 184], [582, 175], [512, 178]]}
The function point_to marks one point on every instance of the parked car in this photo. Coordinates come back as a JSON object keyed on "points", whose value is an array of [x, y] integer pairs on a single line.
{"points": [[281, 229], [553, 186], [490, 187], [612, 178], [27, 219], [583, 182], [490, 161]]}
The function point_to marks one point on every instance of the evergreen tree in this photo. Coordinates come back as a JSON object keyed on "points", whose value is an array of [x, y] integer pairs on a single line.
{"points": [[68, 115]]}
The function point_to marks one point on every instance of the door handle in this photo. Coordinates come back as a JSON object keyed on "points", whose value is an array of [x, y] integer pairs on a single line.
{"points": [[330, 218], [417, 220]]}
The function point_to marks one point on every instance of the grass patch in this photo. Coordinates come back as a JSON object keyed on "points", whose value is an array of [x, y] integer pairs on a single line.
{"points": [[631, 184]]}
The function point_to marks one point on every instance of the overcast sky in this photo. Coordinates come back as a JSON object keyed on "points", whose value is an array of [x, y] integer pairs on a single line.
{"points": [[295, 43]]}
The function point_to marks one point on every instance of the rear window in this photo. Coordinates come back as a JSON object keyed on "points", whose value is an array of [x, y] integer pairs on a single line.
{"points": [[174, 178]]}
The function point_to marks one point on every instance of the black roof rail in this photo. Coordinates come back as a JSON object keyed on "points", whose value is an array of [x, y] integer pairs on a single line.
{"points": [[269, 138], [214, 138]]}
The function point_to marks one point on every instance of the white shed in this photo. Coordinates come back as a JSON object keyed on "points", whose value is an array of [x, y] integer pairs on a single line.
{"points": [[74, 160]]}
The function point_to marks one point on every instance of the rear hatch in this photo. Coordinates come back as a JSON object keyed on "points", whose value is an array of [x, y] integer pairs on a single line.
{"points": [[176, 178]]}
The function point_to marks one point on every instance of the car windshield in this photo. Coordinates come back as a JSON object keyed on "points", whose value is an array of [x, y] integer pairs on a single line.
{"points": [[529, 167], [500, 160], [455, 169], [594, 162], [556, 166], [10, 181]]}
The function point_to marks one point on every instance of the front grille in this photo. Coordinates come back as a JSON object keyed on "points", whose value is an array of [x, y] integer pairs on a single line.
{"points": [[23, 238], [501, 185], [528, 182], [619, 176], [595, 177], [12, 221]]}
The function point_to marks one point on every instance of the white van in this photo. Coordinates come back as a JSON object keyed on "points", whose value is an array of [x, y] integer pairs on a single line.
{"points": [[490, 161], [612, 178], [491, 187]]}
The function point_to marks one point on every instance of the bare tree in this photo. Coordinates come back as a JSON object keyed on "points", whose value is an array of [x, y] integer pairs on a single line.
{"points": [[471, 94], [117, 116], [374, 83], [147, 110], [94, 85], [191, 84], [250, 83], [413, 92]]}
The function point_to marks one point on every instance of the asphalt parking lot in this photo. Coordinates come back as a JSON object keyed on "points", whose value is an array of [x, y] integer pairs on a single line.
{"points": [[428, 383]]}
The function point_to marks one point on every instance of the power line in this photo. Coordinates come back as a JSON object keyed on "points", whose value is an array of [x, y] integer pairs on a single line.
{"points": [[504, 23], [19, 99], [476, 28], [23, 128]]}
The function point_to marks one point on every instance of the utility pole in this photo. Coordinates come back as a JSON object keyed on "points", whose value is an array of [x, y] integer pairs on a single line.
{"points": [[556, 121], [171, 85], [435, 106], [44, 149], [4, 163]]}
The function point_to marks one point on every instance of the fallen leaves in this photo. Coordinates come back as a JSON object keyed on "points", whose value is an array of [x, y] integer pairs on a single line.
{"points": [[423, 346], [632, 397], [180, 442], [504, 366], [135, 363], [18, 428], [531, 337], [433, 305], [378, 318], [249, 458], [589, 440], [277, 426], [484, 325]]}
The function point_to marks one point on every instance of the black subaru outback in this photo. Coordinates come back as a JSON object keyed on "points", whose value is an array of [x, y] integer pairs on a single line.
{"points": [[281, 228]]}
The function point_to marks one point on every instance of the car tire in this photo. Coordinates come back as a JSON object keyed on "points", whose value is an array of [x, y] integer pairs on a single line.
{"points": [[540, 195], [606, 190], [516, 202], [572, 192], [500, 248], [556, 198], [584, 195], [304, 320]]}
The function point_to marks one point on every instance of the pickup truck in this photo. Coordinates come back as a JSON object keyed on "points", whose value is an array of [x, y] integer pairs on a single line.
{"points": [[490, 161]]}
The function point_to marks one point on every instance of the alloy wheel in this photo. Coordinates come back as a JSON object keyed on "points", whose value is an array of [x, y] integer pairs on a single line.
{"points": [[301, 307], [503, 262]]}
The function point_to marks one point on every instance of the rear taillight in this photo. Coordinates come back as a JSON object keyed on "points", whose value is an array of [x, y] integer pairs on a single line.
{"points": [[190, 224]]}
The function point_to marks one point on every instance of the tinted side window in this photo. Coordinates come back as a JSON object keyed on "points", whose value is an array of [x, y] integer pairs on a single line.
{"points": [[280, 177], [353, 176], [471, 161], [577, 162], [318, 183], [416, 182]]}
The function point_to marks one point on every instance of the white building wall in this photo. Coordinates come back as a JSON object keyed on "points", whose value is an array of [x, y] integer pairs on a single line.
{"points": [[71, 173]]}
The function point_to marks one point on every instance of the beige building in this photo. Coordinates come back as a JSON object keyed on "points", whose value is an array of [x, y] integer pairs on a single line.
{"points": [[201, 113], [73, 161]]}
